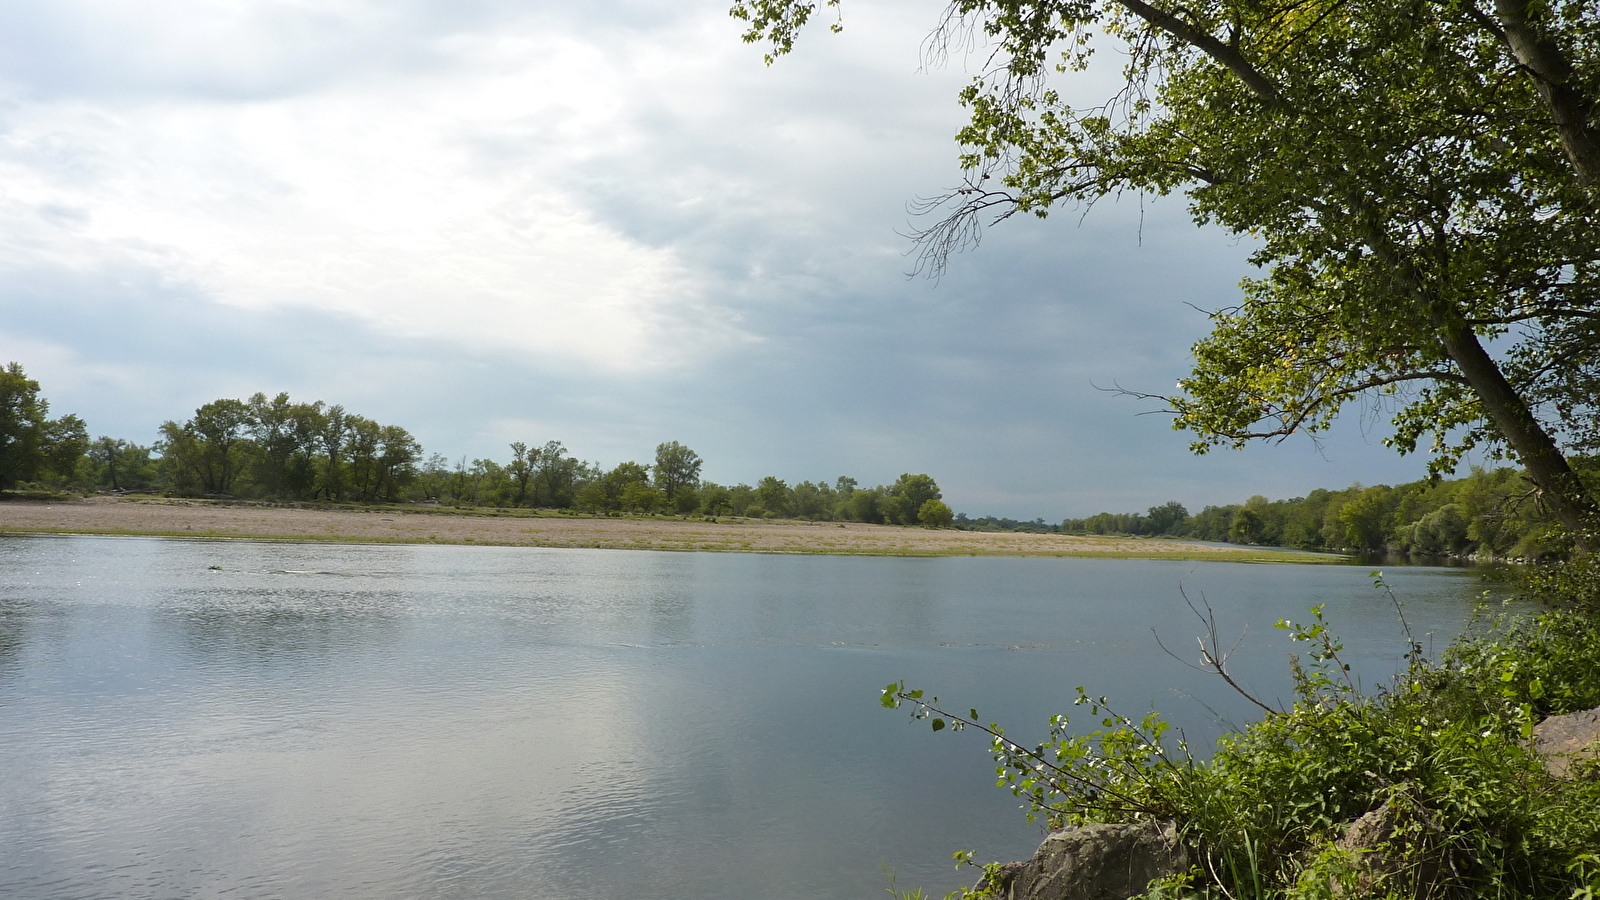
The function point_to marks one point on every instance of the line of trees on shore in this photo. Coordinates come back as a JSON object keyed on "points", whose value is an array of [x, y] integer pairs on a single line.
{"points": [[275, 448], [1489, 513]]}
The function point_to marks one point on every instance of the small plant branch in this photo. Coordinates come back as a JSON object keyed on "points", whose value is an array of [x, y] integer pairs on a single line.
{"points": [[896, 694], [1212, 660]]}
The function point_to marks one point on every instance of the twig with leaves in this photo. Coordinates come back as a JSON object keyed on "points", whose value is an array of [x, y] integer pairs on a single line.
{"points": [[1111, 771]]}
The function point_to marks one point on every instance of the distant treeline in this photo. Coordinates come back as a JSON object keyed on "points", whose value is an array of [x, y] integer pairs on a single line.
{"points": [[278, 449], [996, 523], [1488, 513]]}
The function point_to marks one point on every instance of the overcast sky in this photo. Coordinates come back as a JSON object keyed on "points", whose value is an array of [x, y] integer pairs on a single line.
{"points": [[601, 222]]}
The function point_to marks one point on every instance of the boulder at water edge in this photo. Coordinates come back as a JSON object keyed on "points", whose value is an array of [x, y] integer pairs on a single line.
{"points": [[1094, 862]]}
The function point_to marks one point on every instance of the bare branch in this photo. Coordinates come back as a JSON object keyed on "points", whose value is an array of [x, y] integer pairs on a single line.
{"points": [[961, 229], [1211, 659]]}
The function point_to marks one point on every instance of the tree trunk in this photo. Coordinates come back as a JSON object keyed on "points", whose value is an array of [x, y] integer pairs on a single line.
{"points": [[1552, 76], [1559, 486]]}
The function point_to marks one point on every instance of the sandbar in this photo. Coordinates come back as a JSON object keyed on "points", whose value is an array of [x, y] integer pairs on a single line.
{"points": [[423, 524]]}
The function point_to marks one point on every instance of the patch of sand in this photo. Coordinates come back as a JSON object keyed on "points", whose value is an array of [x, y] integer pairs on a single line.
{"points": [[524, 528]]}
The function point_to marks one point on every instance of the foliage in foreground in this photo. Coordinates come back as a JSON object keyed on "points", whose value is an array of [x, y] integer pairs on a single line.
{"points": [[1445, 746]]}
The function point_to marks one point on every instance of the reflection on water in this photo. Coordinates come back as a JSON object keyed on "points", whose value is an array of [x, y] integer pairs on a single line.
{"points": [[289, 624], [268, 720], [15, 622]]}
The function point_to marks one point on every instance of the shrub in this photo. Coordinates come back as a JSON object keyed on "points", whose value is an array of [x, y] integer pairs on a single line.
{"points": [[935, 514]]}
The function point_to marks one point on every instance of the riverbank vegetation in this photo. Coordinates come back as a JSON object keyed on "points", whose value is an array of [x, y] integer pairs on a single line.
{"points": [[1440, 758], [1491, 513], [1417, 183]]}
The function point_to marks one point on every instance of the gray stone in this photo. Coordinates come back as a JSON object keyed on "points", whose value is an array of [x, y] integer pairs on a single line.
{"points": [[1094, 862], [1569, 739], [1399, 848]]}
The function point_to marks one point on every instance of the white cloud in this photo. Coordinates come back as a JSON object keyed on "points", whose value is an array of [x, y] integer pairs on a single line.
{"points": [[430, 207], [605, 223]]}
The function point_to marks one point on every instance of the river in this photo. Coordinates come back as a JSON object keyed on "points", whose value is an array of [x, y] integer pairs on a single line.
{"points": [[192, 719]]}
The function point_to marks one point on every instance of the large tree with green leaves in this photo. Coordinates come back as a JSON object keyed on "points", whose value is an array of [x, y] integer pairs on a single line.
{"points": [[1418, 180], [31, 443], [286, 438], [209, 451], [677, 467], [902, 504]]}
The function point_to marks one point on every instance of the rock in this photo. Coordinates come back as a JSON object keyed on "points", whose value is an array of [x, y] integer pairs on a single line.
{"points": [[1565, 740], [1399, 848], [1093, 862]]}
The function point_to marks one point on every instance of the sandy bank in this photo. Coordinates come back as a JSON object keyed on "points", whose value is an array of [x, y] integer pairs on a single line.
{"points": [[523, 528]]}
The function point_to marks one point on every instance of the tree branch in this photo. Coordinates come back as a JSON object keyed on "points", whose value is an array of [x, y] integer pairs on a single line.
{"points": [[1212, 661], [1222, 52]]}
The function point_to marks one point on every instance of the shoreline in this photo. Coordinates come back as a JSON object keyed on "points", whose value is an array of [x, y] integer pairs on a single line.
{"points": [[230, 520]]}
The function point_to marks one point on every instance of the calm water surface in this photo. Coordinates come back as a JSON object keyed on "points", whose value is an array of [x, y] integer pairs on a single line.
{"points": [[456, 722]]}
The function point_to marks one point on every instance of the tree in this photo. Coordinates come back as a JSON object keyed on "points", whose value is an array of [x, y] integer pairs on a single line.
{"points": [[120, 465], [810, 501], [1168, 518], [1418, 179], [433, 478], [106, 455], [687, 501], [741, 497], [715, 499], [33, 445], [773, 495], [521, 471], [865, 505], [382, 458], [66, 440], [935, 514], [1246, 527], [906, 497], [1363, 522], [285, 436], [22, 418], [677, 467], [334, 436], [639, 496], [557, 475], [208, 451], [618, 489]]}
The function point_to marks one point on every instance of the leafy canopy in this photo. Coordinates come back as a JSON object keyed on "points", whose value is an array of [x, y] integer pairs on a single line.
{"points": [[1417, 181]]}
